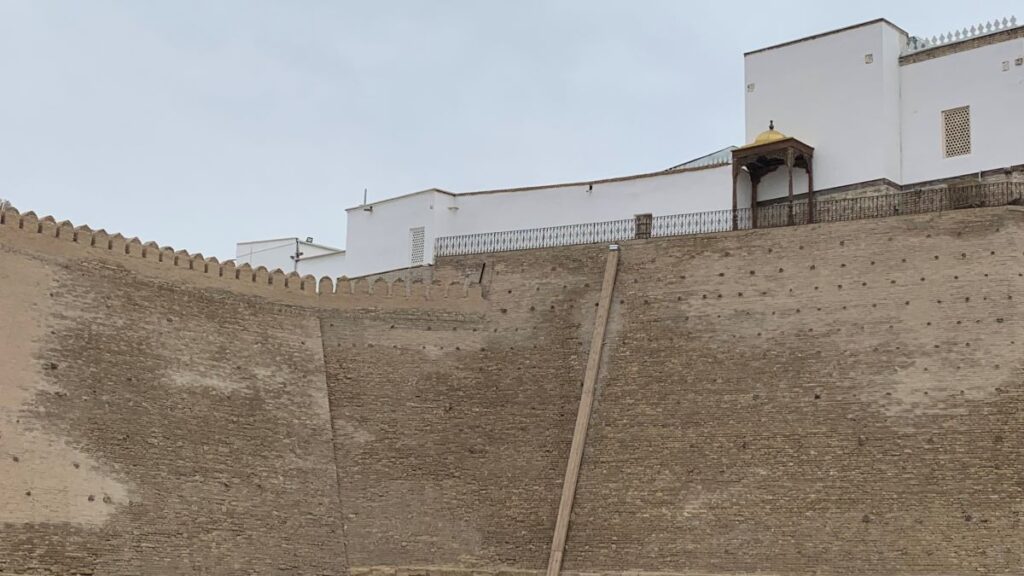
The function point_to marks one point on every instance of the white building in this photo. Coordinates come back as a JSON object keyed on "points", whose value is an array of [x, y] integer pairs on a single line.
{"points": [[883, 111], [287, 253]]}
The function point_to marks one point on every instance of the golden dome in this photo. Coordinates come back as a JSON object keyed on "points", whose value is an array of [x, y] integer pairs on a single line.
{"points": [[769, 135]]}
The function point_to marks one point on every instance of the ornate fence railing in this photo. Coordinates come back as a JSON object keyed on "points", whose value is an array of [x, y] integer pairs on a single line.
{"points": [[699, 222], [768, 216], [589, 233]]}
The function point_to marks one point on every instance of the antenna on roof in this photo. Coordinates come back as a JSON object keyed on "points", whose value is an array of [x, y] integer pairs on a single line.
{"points": [[365, 207]]}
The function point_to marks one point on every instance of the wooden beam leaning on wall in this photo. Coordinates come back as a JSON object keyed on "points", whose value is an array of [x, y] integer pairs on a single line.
{"points": [[579, 435]]}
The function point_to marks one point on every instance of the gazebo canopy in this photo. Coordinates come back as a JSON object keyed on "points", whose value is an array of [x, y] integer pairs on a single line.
{"points": [[768, 152]]}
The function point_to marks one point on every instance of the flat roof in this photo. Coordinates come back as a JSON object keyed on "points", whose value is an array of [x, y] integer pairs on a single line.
{"points": [[399, 197], [668, 172], [829, 33], [289, 239], [268, 240]]}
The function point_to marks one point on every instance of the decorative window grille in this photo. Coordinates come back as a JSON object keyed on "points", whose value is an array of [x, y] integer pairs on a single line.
{"points": [[956, 131], [416, 236]]}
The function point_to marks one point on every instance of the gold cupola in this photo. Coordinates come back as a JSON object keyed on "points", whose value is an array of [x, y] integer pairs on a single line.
{"points": [[769, 135]]}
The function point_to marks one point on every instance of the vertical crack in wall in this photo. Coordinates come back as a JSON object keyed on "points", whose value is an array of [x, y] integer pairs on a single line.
{"points": [[579, 436]]}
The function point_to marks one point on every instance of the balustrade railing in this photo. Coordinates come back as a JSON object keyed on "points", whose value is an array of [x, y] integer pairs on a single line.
{"points": [[569, 235], [768, 216]]}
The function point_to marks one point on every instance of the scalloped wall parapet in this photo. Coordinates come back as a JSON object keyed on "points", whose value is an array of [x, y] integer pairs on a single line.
{"points": [[360, 291]]}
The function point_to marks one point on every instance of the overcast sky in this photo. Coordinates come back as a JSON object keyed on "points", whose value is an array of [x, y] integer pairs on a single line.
{"points": [[197, 124]]}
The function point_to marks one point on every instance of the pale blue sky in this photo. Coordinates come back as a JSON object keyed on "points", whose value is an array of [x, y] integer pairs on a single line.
{"points": [[197, 123]]}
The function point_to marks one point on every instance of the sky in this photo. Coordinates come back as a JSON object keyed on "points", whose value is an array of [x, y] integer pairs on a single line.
{"points": [[201, 123]]}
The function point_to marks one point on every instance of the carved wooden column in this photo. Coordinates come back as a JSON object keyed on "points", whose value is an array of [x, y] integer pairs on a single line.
{"points": [[736, 169], [810, 192], [755, 180], [789, 170]]}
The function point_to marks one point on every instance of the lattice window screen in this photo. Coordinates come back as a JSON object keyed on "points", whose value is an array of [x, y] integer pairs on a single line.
{"points": [[416, 245], [956, 131]]}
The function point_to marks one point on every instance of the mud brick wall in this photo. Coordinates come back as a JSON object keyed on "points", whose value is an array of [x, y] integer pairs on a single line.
{"points": [[837, 399], [153, 427], [453, 428]]}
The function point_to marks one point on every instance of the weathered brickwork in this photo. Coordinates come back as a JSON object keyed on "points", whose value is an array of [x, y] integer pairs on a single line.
{"points": [[840, 399], [837, 399], [452, 429], [154, 428]]}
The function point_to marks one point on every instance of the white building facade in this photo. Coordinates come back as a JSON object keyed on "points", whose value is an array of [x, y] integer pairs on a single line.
{"points": [[386, 235], [883, 110], [287, 254]]}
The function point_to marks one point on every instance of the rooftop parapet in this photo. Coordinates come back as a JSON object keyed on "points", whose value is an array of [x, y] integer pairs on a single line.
{"points": [[917, 43]]}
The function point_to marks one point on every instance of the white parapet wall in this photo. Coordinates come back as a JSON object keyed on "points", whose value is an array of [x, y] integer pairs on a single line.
{"points": [[381, 236], [279, 253], [331, 264]]}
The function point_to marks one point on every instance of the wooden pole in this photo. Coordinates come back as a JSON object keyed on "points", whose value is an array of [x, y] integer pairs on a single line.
{"points": [[753, 200], [579, 435], [810, 191], [735, 174], [789, 169]]}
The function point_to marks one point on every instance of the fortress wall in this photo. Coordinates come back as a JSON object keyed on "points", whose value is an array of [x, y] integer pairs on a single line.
{"points": [[152, 426], [62, 239], [829, 399], [452, 428], [837, 399]]}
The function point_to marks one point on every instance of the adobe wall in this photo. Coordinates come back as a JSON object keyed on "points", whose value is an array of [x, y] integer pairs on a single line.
{"points": [[829, 399], [834, 399], [165, 413], [156, 427], [453, 428]]}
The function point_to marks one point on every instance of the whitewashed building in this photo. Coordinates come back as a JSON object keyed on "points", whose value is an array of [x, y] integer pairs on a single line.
{"points": [[287, 253], [873, 108]]}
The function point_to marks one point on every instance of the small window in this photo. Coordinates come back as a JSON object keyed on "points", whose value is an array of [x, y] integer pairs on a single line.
{"points": [[416, 246], [956, 131]]}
